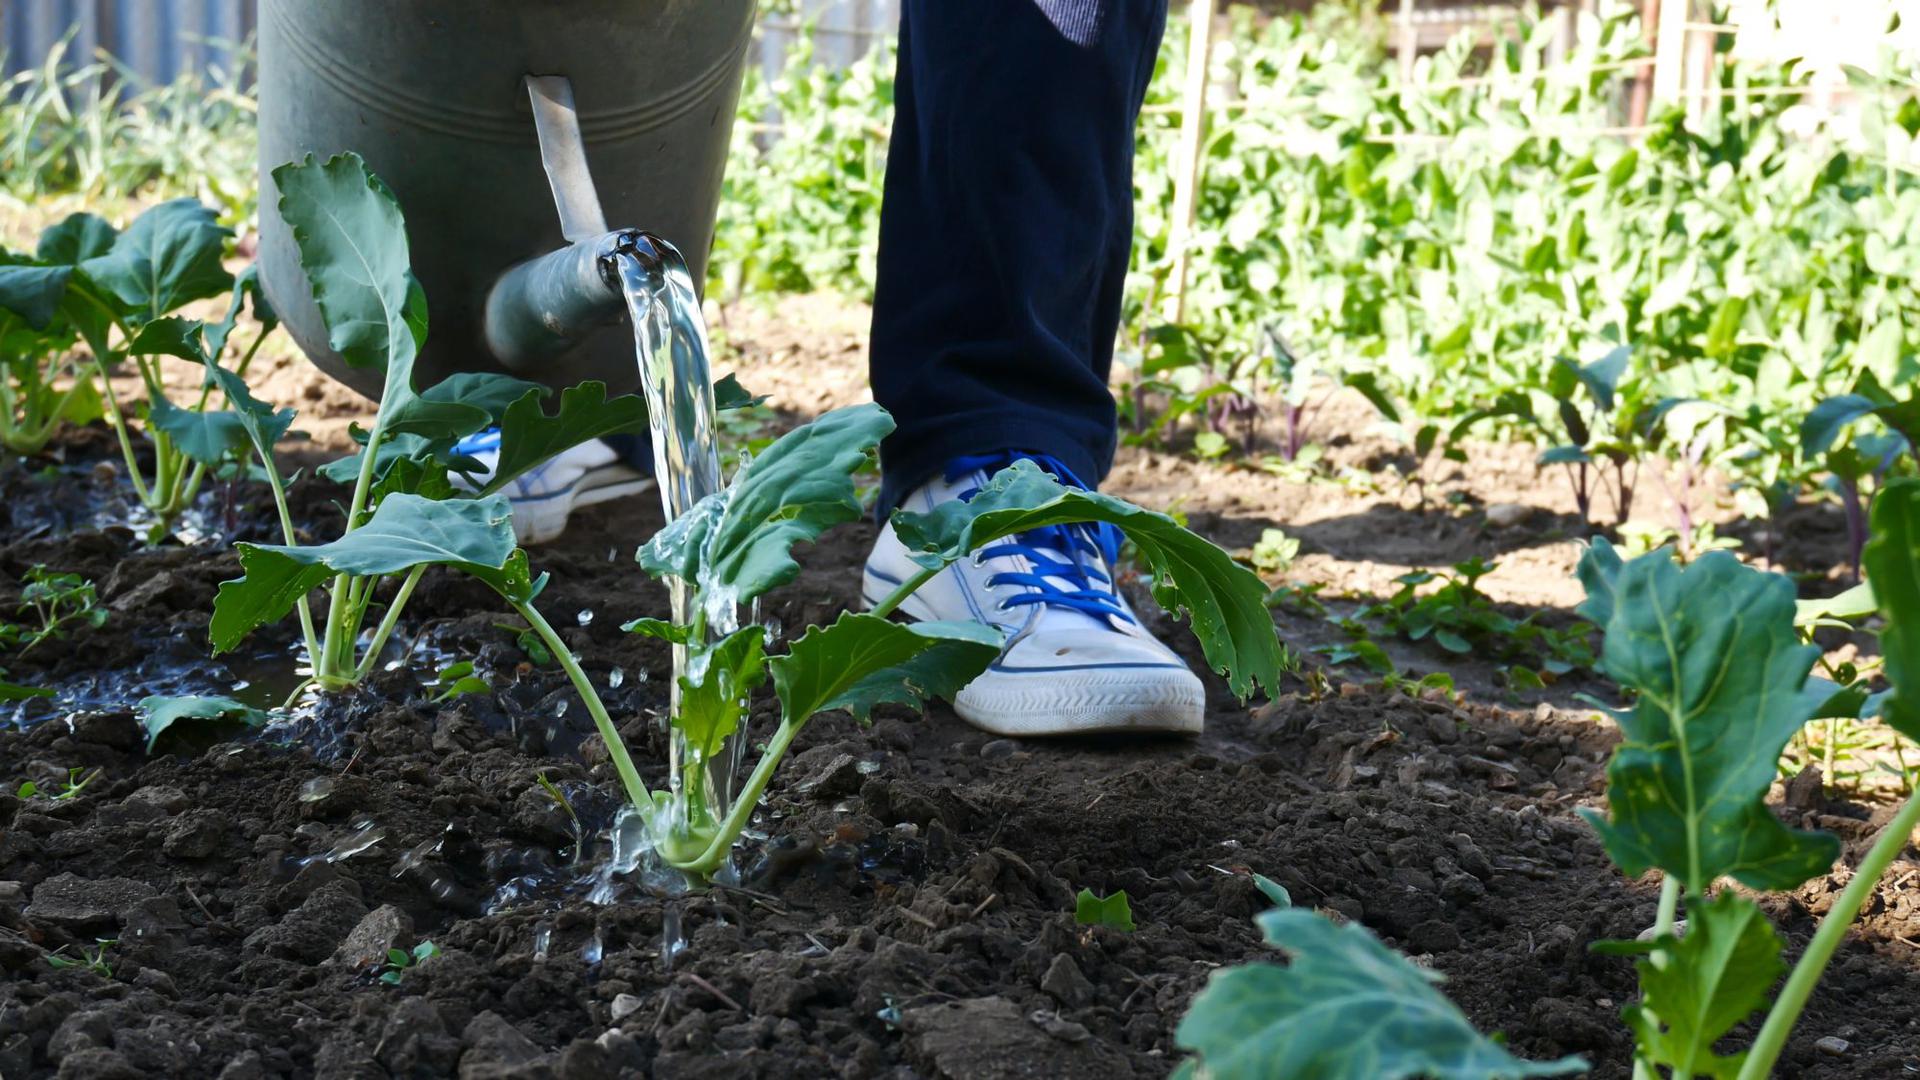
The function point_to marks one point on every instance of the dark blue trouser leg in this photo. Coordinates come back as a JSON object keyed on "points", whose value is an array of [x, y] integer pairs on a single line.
{"points": [[1006, 228]]}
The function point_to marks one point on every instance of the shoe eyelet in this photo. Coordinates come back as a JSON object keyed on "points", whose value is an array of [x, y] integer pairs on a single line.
{"points": [[1001, 606], [979, 558]]}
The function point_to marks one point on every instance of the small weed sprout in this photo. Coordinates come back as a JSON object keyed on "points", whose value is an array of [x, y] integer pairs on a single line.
{"points": [[53, 602], [400, 960], [91, 958]]}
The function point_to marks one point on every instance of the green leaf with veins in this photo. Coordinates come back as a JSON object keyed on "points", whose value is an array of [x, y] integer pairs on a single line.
{"points": [[1225, 601], [460, 405], [246, 288], [713, 692], [158, 713], [263, 425], [208, 437], [862, 661], [75, 239], [1892, 561], [1599, 573], [353, 247], [529, 437], [1345, 1007], [1704, 984], [172, 335], [737, 542], [515, 580], [1720, 675], [170, 256], [405, 531], [32, 292]]}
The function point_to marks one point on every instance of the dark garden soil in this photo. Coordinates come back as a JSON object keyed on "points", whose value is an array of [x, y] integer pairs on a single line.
{"points": [[905, 907]]}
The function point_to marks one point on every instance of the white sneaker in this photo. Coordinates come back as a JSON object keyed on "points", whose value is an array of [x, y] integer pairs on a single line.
{"points": [[544, 495], [1076, 660]]}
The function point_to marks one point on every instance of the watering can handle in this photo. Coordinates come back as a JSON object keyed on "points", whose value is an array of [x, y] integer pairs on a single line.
{"points": [[564, 154], [545, 306]]}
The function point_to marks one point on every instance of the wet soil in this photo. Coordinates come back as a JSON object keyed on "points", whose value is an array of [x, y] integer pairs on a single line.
{"points": [[905, 904]]}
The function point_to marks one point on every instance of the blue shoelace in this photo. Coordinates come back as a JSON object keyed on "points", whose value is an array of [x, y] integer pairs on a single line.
{"points": [[1061, 576]]}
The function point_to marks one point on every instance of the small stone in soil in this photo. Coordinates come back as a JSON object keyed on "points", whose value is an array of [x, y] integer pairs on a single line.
{"points": [[1508, 515], [72, 901], [998, 749], [195, 834], [624, 1005], [1832, 1046], [1065, 982], [369, 941]]}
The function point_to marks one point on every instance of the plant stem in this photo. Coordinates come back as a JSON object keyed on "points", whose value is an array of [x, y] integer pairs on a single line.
{"points": [[387, 624], [743, 804], [340, 599], [1813, 962], [119, 425], [637, 792], [885, 607], [1669, 905]]}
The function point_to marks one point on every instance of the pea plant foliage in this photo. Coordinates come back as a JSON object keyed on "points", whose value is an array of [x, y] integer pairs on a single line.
{"points": [[1720, 682]]}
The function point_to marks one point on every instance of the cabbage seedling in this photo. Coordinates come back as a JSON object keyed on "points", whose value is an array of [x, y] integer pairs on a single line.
{"points": [[735, 545], [1721, 678], [116, 292]]}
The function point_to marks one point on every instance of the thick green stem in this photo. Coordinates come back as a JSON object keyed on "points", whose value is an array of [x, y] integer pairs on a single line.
{"points": [[885, 607], [637, 792], [743, 804], [1833, 928], [387, 624], [340, 599], [1663, 923], [1669, 906]]}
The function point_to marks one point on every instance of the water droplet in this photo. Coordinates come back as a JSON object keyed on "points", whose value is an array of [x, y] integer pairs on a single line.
{"points": [[542, 939], [560, 708], [585, 618], [866, 768], [672, 941], [367, 835], [593, 949], [616, 678], [316, 789]]}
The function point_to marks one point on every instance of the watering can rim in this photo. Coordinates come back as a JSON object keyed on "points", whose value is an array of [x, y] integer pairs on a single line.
{"points": [[508, 125]]}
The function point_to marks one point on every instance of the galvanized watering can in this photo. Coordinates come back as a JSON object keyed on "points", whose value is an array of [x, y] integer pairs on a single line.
{"points": [[484, 117]]}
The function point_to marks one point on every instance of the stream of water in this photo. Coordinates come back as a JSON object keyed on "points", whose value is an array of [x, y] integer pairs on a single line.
{"points": [[670, 346]]}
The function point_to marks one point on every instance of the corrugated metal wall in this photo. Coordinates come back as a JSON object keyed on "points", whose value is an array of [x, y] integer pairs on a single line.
{"points": [[157, 39], [160, 39]]}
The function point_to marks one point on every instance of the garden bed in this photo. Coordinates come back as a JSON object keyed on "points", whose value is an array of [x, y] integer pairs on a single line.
{"points": [[906, 904]]}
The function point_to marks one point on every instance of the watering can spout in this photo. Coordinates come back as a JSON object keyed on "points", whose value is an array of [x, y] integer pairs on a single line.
{"points": [[543, 307]]}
